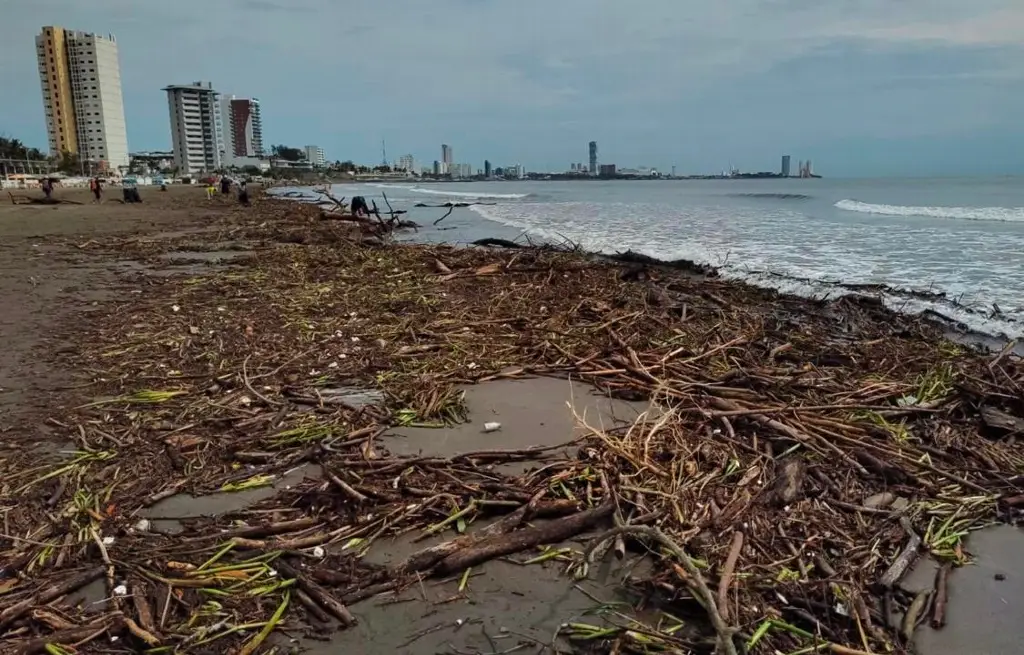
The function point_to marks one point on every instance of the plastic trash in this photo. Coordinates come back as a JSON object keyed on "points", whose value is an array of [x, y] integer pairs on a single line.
{"points": [[491, 427]]}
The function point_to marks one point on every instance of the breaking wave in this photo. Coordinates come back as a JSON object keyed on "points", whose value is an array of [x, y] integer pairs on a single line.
{"points": [[1005, 214], [456, 194]]}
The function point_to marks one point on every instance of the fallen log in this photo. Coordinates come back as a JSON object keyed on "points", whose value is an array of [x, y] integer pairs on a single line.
{"points": [[497, 546], [51, 593]]}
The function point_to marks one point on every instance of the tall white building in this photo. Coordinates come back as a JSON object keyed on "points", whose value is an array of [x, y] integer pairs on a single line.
{"points": [[446, 159], [243, 131], [81, 81], [315, 156], [407, 163], [197, 132]]}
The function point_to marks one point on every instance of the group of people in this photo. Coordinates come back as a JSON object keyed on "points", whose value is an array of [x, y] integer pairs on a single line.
{"points": [[225, 188], [49, 184]]}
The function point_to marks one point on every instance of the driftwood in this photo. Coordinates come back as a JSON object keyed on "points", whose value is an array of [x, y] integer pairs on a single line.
{"points": [[941, 597], [317, 594], [14, 612], [502, 243], [499, 545], [899, 567]]}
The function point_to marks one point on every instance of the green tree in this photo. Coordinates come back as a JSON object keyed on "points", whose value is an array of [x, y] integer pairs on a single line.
{"points": [[287, 153]]}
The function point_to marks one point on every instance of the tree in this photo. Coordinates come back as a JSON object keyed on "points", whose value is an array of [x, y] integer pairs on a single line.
{"points": [[287, 153], [251, 170], [15, 149]]}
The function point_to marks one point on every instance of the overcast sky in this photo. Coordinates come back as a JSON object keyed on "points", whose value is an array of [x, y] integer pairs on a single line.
{"points": [[862, 87]]}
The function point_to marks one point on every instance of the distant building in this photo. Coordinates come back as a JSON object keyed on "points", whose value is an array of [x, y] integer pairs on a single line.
{"points": [[315, 156], [785, 165], [487, 168], [593, 157], [437, 167], [197, 132], [81, 82], [406, 163], [607, 170], [446, 159], [243, 131]]}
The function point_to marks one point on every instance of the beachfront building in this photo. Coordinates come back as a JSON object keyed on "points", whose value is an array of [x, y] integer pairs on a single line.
{"points": [[593, 157], [197, 132], [406, 163], [243, 131], [315, 156], [81, 83], [446, 159], [785, 166]]}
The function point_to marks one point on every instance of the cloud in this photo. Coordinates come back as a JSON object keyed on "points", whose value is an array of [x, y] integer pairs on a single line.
{"points": [[533, 78]]}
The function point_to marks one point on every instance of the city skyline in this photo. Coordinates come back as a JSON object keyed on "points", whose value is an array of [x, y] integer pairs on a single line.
{"points": [[935, 95]]}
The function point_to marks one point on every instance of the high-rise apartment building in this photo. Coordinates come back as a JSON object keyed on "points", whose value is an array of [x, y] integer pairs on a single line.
{"points": [[81, 82], [487, 168], [446, 159], [243, 131], [407, 163], [315, 156], [197, 132], [593, 157], [785, 165]]}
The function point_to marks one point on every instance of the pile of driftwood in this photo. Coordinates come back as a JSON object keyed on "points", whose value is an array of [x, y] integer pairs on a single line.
{"points": [[800, 455], [371, 221]]}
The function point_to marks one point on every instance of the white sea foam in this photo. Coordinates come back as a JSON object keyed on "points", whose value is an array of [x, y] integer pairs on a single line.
{"points": [[454, 194], [1004, 214]]}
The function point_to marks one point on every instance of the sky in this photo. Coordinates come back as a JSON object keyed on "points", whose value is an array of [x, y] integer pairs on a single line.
{"points": [[861, 87]]}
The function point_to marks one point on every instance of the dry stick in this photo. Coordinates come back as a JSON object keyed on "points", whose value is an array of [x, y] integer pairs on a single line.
{"points": [[428, 557], [248, 384], [793, 433], [941, 597], [499, 545], [695, 581], [727, 573], [905, 559], [322, 598], [14, 612], [79, 636]]}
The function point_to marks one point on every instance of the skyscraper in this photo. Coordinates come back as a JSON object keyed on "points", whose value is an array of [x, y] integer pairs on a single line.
{"points": [[446, 159], [407, 163], [243, 130], [487, 168], [593, 157], [81, 82], [785, 165], [197, 135]]}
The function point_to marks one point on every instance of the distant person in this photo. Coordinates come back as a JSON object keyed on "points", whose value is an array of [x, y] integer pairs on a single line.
{"points": [[359, 206], [210, 190], [243, 194], [47, 186], [225, 185], [96, 188]]}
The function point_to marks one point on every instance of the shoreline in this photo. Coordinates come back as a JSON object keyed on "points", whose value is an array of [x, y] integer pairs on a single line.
{"points": [[262, 403], [953, 328]]}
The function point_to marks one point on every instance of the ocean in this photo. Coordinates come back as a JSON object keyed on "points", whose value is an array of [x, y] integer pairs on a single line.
{"points": [[954, 246]]}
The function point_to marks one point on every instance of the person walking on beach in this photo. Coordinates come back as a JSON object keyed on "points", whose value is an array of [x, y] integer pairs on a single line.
{"points": [[47, 187], [210, 190], [97, 190]]}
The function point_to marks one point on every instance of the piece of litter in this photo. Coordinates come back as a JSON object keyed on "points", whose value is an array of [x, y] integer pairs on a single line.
{"points": [[319, 552], [491, 427], [175, 308], [143, 525], [120, 590], [333, 365], [107, 541]]}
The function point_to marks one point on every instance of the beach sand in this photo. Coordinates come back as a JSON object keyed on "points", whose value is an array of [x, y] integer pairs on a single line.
{"points": [[52, 277]]}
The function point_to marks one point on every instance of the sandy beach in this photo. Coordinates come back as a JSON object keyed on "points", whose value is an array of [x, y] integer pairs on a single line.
{"points": [[229, 429]]}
